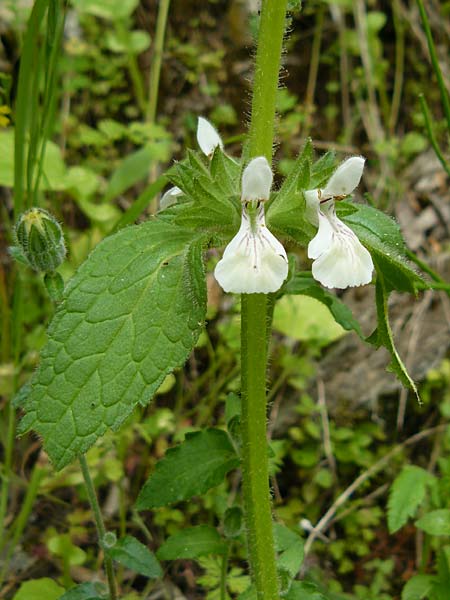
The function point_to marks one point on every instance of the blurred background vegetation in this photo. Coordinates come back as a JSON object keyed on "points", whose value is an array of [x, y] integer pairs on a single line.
{"points": [[97, 131]]}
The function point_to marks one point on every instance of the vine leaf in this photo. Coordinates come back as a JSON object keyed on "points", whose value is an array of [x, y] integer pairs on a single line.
{"points": [[191, 468], [130, 315]]}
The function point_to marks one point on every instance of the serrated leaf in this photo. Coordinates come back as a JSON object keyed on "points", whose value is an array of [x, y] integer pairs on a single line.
{"points": [[86, 591], [382, 336], [130, 315], [382, 237], [436, 522], [196, 465], [291, 548], [192, 543], [303, 283], [285, 213], [406, 495], [418, 587], [131, 553]]}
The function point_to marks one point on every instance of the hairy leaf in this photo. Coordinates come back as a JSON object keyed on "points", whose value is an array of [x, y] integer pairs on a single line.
{"points": [[382, 336], [196, 465], [131, 553], [192, 543], [406, 495], [130, 315]]}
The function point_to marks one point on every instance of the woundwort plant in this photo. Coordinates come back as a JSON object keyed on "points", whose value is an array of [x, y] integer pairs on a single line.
{"points": [[134, 310]]}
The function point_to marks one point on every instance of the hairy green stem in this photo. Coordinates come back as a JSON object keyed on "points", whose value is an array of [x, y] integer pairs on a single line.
{"points": [[98, 518], [157, 59], [254, 334]]}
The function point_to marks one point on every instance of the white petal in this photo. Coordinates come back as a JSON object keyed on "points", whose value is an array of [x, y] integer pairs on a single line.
{"points": [[169, 197], [345, 179], [323, 238], [341, 260], [207, 137], [257, 180], [254, 262], [312, 206]]}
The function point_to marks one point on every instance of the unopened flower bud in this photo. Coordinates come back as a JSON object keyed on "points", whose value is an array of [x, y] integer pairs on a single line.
{"points": [[41, 239]]}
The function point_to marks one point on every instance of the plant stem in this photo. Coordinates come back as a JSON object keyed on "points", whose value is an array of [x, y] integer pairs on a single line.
{"points": [[157, 59], [430, 132], [90, 489], [254, 334], [435, 62]]}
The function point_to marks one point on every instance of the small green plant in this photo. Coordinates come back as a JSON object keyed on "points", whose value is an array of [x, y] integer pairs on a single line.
{"points": [[137, 306]]}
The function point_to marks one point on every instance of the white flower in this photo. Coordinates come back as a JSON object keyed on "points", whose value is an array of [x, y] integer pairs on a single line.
{"points": [[254, 262], [207, 137], [340, 260], [169, 197]]}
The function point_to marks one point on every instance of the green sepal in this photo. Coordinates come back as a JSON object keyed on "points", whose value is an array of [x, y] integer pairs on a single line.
{"points": [[210, 200], [382, 336], [285, 212]]}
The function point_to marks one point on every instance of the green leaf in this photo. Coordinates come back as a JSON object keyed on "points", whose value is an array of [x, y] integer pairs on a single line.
{"points": [[54, 170], [133, 168], [303, 283], [382, 237], [304, 590], [37, 589], [196, 465], [304, 318], [406, 495], [291, 548], [285, 213], [106, 9], [192, 543], [130, 315], [131, 553], [436, 522], [86, 591], [382, 336], [418, 587]]}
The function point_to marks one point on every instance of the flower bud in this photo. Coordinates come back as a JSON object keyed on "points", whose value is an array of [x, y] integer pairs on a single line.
{"points": [[41, 239]]}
